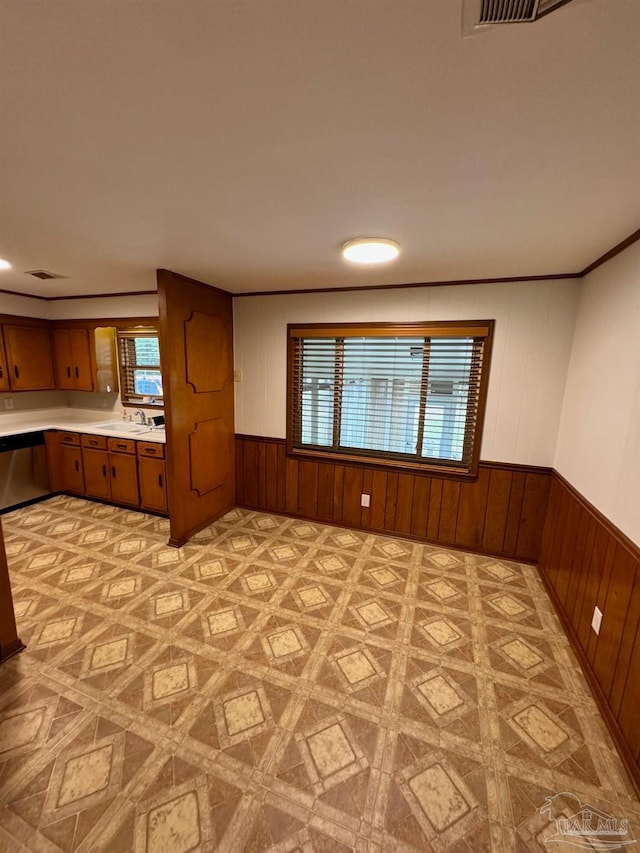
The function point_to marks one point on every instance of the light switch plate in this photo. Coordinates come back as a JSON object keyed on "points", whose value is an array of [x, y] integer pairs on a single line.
{"points": [[365, 500], [596, 621]]}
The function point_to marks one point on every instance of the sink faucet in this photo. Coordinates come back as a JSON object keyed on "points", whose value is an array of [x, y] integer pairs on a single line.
{"points": [[143, 419]]}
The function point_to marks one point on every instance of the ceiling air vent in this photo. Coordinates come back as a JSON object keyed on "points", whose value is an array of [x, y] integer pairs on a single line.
{"points": [[45, 275], [486, 13]]}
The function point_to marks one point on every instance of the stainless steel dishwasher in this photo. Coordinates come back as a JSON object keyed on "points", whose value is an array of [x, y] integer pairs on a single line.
{"points": [[23, 469]]}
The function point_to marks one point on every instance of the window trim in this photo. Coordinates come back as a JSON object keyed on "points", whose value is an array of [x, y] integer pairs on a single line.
{"points": [[131, 399], [440, 328]]}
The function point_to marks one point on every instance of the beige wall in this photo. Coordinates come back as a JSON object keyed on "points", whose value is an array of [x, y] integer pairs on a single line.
{"points": [[23, 306], [599, 440], [534, 327], [145, 305]]}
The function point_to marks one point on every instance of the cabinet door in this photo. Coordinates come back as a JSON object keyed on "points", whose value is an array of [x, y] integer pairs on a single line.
{"points": [[96, 473], [81, 359], [124, 479], [71, 473], [29, 357], [4, 376], [104, 349], [153, 489], [63, 359]]}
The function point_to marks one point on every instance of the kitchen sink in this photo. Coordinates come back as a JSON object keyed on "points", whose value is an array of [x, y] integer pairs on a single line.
{"points": [[122, 426]]}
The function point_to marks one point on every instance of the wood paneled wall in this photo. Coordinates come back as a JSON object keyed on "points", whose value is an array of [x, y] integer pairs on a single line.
{"points": [[501, 513], [586, 561]]}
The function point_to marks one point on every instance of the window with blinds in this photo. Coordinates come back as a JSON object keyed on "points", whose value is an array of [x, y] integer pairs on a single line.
{"points": [[139, 361], [410, 394]]}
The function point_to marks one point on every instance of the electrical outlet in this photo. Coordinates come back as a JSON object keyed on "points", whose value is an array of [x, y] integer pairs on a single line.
{"points": [[237, 376], [8, 403], [596, 621], [365, 500]]}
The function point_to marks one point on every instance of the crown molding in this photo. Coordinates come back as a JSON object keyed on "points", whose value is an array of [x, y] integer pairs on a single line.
{"points": [[611, 253]]}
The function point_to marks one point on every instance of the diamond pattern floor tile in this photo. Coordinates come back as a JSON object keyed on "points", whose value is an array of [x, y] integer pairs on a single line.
{"points": [[282, 686]]}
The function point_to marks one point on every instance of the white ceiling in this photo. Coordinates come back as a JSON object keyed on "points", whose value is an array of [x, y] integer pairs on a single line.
{"points": [[241, 142]]}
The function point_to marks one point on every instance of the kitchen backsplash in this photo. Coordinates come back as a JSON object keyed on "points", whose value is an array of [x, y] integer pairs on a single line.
{"points": [[27, 401]]}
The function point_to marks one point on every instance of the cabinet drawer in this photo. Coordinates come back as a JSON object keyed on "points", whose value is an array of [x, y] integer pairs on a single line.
{"points": [[148, 448], [98, 442], [70, 438], [122, 445]]}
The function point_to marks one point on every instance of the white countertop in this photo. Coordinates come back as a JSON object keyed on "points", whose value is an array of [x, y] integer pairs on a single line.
{"points": [[74, 420]]}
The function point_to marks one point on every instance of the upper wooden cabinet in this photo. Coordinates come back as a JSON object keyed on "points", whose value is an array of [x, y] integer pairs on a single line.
{"points": [[4, 375], [85, 357], [72, 355], [67, 355], [29, 361]]}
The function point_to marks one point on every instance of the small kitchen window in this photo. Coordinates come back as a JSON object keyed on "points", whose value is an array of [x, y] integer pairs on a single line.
{"points": [[139, 361]]}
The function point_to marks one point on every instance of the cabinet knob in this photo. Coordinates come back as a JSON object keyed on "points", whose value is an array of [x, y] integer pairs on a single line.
{"points": [[160, 480], [16, 371], [68, 373], [113, 471], [77, 373]]}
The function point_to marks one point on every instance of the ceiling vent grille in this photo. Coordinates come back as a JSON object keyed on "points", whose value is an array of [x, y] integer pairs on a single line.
{"points": [[489, 12], [507, 11], [44, 275]]}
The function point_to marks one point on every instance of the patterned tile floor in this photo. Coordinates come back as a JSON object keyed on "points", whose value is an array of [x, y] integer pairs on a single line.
{"points": [[283, 686]]}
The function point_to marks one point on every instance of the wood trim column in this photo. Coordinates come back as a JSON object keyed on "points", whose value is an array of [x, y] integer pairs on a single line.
{"points": [[10, 643], [196, 355]]}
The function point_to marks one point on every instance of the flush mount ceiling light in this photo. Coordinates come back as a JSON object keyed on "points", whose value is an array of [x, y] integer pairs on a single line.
{"points": [[4, 265], [370, 250]]}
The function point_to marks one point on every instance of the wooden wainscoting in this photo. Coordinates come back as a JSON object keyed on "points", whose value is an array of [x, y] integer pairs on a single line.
{"points": [[586, 561], [500, 513]]}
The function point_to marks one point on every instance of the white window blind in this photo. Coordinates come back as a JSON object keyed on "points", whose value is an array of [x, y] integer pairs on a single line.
{"points": [[139, 360], [381, 394]]}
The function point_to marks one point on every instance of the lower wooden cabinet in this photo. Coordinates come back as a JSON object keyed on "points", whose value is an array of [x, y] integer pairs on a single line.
{"points": [[124, 479], [110, 469], [153, 489], [96, 474], [64, 460], [71, 470]]}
